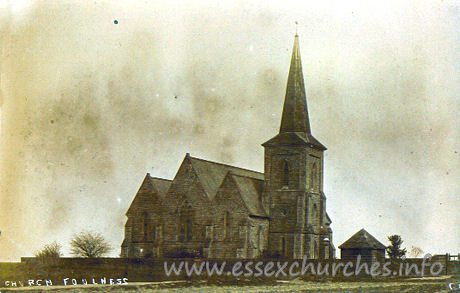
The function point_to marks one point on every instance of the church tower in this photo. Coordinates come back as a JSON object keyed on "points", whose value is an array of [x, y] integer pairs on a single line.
{"points": [[293, 188]]}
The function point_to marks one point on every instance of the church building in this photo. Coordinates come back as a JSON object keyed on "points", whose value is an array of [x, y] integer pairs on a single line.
{"points": [[214, 210]]}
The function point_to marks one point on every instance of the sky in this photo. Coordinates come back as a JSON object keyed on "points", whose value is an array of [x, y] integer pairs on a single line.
{"points": [[95, 94]]}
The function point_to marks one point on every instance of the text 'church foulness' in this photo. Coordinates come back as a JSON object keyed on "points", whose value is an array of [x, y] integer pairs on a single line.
{"points": [[215, 210]]}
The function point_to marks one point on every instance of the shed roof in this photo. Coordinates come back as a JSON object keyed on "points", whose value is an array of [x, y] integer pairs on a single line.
{"points": [[362, 239]]}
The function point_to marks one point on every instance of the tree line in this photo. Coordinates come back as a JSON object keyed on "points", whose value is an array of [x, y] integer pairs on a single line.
{"points": [[91, 244], [85, 244]]}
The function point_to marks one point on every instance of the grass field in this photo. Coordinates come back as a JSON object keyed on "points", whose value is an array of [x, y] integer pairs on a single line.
{"points": [[438, 284]]}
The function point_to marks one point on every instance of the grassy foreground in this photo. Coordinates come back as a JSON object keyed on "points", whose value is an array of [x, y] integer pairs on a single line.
{"points": [[435, 284]]}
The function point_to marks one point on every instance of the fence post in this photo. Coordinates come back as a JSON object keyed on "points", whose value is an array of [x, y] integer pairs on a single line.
{"points": [[447, 263]]}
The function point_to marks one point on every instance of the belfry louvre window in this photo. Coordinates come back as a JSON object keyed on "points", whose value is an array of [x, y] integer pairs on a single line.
{"points": [[315, 212], [313, 175]]}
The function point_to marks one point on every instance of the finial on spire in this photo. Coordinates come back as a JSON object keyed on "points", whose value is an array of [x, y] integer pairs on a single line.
{"points": [[296, 25]]}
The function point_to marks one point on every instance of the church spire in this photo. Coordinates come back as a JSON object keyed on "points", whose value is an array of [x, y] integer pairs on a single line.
{"points": [[295, 113], [295, 124]]}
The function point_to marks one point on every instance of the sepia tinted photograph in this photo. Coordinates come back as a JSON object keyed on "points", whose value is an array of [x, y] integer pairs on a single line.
{"points": [[229, 146]]}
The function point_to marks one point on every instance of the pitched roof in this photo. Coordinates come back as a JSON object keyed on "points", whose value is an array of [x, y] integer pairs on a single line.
{"points": [[150, 185], [295, 138], [211, 174], [362, 239], [161, 185], [251, 191]]}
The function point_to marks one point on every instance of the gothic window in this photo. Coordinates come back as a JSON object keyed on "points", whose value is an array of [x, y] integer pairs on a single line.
{"points": [[145, 226], [315, 212], [286, 173], [307, 210], [259, 238], [315, 252], [209, 232], [157, 234], [188, 232], [313, 175], [282, 246], [299, 210], [240, 253], [185, 222], [242, 231], [227, 224]]}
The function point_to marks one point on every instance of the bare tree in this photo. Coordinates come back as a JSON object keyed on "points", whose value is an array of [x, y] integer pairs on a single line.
{"points": [[415, 251], [49, 250], [89, 244]]}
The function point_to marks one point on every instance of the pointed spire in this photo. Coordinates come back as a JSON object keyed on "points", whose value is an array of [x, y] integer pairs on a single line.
{"points": [[295, 124], [295, 113]]}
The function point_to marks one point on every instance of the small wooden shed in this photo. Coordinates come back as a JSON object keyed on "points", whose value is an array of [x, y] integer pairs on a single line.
{"points": [[364, 244]]}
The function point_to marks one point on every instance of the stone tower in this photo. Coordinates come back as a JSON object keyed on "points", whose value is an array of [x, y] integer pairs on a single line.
{"points": [[293, 187]]}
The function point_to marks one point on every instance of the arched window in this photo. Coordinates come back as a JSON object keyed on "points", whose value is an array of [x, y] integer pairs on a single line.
{"points": [[259, 238], [188, 232], [307, 212], [313, 175], [286, 173], [315, 213], [283, 246], [315, 253], [145, 226], [185, 222], [227, 224]]}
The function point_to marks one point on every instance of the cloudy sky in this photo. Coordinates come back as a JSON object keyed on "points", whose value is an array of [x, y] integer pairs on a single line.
{"points": [[88, 106]]}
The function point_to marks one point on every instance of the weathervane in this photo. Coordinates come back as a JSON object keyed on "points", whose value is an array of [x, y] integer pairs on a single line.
{"points": [[296, 25]]}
